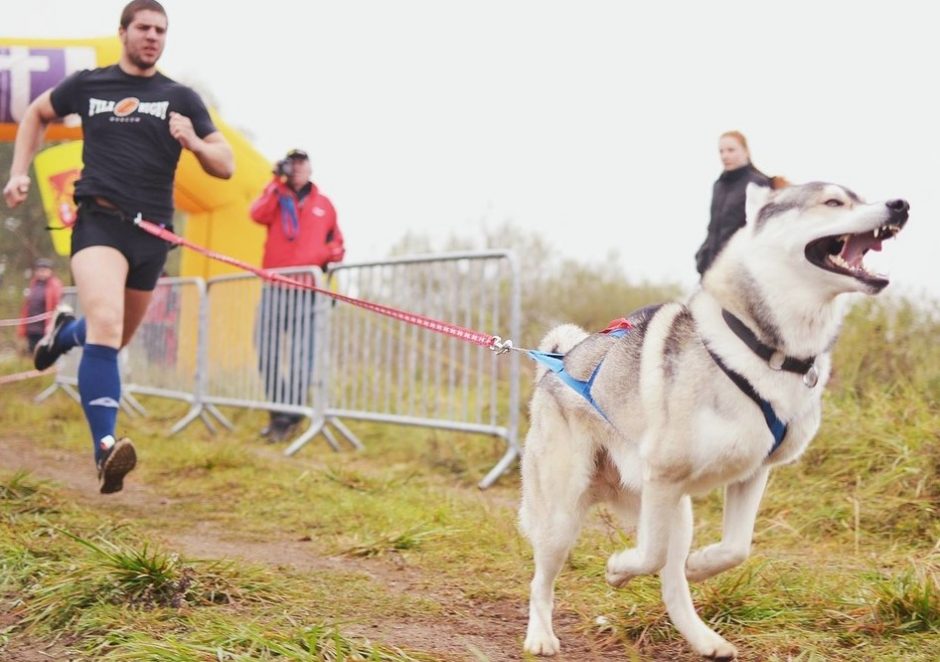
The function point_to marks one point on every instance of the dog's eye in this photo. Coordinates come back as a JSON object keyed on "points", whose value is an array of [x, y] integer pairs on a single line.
{"points": [[832, 202]]}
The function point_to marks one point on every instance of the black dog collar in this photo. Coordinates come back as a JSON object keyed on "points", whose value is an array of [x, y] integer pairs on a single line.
{"points": [[776, 359]]}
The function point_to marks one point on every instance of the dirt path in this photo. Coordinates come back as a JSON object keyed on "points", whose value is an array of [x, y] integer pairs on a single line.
{"points": [[493, 629]]}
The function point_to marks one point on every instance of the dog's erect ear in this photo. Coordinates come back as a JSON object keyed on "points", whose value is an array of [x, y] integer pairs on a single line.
{"points": [[757, 197]]}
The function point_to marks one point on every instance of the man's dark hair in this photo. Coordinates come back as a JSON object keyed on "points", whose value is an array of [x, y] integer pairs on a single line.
{"points": [[297, 155], [134, 6]]}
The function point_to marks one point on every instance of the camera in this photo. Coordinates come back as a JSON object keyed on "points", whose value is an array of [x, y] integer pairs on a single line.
{"points": [[284, 167]]}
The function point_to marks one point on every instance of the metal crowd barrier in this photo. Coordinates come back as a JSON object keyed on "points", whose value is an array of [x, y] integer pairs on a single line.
{"points": [[384, 370], [261, 346], [237, 341], [162, 358]]}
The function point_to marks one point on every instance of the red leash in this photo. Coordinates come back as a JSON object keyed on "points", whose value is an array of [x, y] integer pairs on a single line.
{"points": [[469, 335], [20, 376], [26, 320]]}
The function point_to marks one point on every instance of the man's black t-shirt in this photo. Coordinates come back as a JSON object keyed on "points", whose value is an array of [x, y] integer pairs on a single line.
{"points": [[129, 155]]}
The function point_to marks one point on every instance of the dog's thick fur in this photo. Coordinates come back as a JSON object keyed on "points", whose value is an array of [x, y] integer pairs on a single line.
{"points": [[676, 424]]}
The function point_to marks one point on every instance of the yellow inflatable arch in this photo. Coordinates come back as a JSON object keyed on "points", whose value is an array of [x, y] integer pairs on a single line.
{"points": [[217, 209]]}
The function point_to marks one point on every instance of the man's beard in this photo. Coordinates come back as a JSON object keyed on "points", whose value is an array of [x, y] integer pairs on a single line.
{"points": [[138, 60]]}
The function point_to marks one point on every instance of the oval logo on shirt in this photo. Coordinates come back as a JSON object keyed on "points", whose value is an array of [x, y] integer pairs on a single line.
{"points": [[125, 107]]}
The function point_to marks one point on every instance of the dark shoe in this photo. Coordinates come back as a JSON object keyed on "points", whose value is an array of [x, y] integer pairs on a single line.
{"points": [[282, 427], [46, 352], [116, 464], [275, 422]]}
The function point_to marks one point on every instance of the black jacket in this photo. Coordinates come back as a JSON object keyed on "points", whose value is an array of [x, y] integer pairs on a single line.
{"points": [[727, 214]]}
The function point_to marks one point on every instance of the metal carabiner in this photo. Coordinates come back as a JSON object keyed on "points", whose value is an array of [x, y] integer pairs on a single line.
{"points": [[500, 346]]}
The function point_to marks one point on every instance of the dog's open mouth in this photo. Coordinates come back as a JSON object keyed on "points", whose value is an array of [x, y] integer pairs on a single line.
{"points": [[843, 254]]}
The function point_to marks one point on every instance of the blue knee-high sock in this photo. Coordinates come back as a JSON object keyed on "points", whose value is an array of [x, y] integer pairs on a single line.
{"points": [[71, 334], [99, 383]]}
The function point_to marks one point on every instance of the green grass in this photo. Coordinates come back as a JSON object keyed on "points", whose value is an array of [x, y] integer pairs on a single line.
{"points": [[411, 539], [247, 642], [118, 597], [845, 564]]}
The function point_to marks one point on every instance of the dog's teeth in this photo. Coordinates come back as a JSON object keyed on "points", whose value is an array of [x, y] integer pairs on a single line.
{"points": [[840, 262], [877, 232]]}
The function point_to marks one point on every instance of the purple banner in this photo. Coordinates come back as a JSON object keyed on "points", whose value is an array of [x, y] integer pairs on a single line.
{"points": [[5, 86], [25, 73]]}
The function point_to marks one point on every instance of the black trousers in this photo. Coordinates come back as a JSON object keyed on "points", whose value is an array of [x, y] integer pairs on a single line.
{"points": [[286, 343]]}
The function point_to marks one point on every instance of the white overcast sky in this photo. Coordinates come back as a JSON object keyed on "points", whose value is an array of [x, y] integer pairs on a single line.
{"points": [[594, 123]]}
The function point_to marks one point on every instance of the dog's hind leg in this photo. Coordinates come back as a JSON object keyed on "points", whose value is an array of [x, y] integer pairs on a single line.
{"points": [[553, 506], [550, 549], [675, 588], [741, 503]]}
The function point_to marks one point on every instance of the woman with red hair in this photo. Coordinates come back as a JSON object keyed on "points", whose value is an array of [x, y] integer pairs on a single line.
{"points": [[728, 196]]}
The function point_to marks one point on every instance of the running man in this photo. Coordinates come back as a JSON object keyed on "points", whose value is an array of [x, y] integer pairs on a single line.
{"points": [[135, 122]]}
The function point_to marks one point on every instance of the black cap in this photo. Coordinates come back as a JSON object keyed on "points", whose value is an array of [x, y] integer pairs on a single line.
{"points": [[298, 155], [43, 262]]}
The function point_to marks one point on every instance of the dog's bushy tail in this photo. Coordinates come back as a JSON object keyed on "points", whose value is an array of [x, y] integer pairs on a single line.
{"points": [[559, 340]]}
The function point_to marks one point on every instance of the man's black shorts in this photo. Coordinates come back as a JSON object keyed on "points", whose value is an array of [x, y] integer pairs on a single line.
{"points": [[101, 226]]}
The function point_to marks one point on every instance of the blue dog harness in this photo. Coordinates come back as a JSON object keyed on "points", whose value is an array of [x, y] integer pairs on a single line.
{"points": [[556, 363], [619, 328]]}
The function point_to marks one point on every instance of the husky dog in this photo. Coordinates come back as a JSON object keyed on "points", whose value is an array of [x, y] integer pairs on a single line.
{"points": [[710, 393]]}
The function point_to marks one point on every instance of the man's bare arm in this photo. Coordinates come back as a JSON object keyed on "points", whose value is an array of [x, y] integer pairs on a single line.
{"points": [[213, 152], [28, 140]]}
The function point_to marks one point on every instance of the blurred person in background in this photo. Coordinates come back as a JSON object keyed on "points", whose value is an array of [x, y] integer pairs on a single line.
{"points": [[41, 297], [728, 196], [302, 231]]}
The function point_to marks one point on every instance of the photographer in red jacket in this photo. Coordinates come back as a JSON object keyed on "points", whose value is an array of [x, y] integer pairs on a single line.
{"points": [[302, 231]]}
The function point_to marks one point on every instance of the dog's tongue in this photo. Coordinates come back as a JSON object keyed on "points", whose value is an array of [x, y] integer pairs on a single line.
{"points": [[857, 245]]}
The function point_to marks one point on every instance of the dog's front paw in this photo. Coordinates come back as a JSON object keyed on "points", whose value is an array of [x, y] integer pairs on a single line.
{"points": [[715, 647], [723, 652], [711, 560], [697, 567], [619, 571], [618, 579], [543, 643]]}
